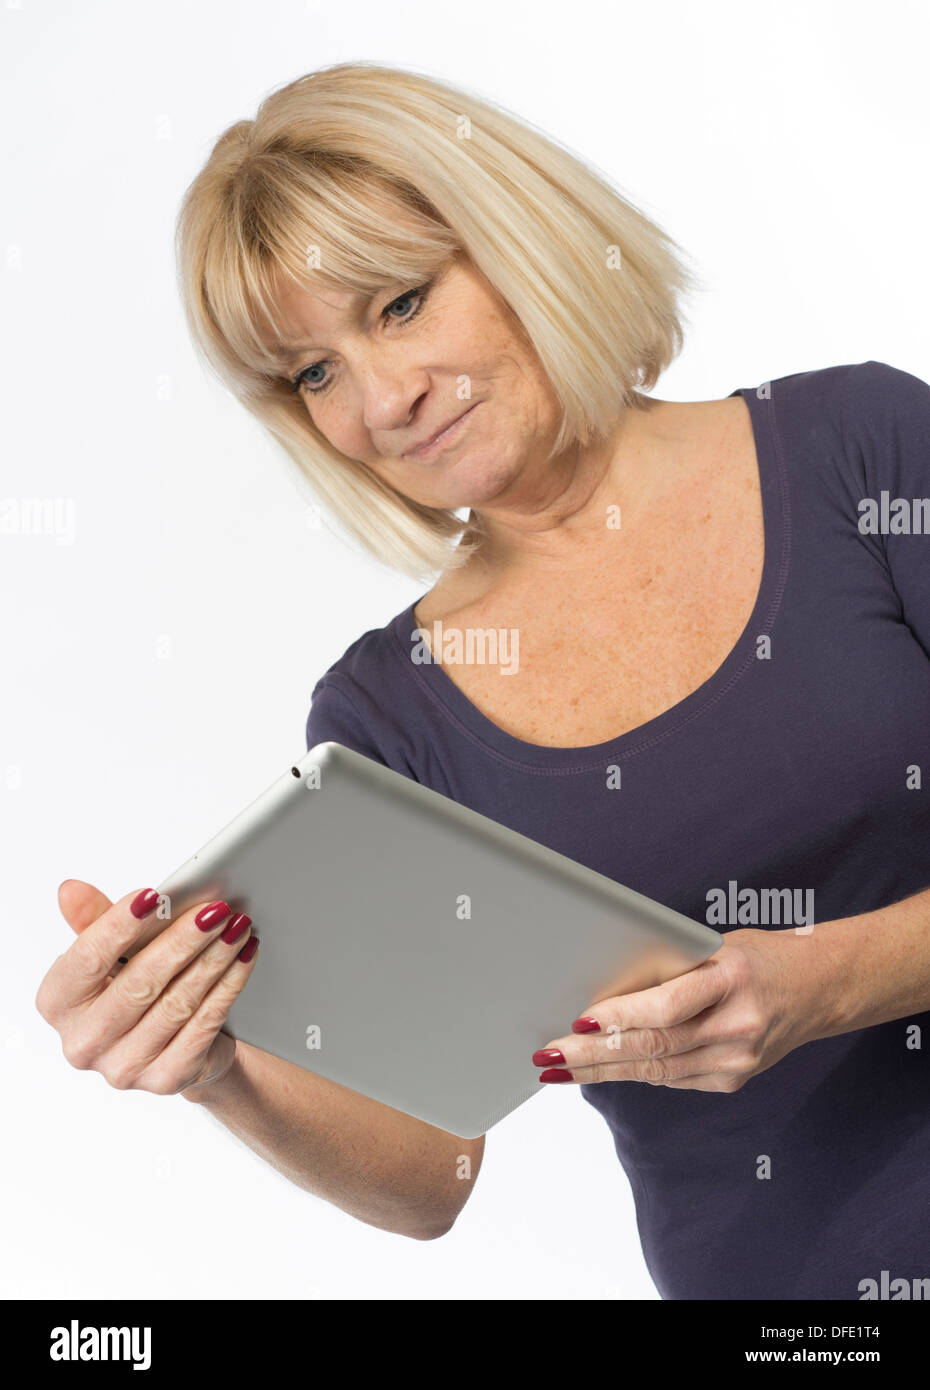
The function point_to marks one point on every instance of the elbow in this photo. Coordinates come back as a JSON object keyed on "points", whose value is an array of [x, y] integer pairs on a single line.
{"points": [[431, 1229], [431, 1235], [425, 1229]]}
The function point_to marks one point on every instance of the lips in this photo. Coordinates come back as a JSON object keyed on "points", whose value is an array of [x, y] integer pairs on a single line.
{"points": [[426, 444]]}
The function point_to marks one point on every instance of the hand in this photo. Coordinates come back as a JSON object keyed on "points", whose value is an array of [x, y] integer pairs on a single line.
{"points": [[711, 1029], [154, 1023]]}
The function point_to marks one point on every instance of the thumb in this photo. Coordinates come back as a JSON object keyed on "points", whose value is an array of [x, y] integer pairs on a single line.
{"points": [[81, 903]]}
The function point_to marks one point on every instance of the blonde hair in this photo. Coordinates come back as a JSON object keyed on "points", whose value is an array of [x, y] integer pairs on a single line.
{"points": [[358, 177]]}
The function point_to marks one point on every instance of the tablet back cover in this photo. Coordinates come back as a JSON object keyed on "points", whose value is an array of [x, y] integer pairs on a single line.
{"points": [[414, 950]]}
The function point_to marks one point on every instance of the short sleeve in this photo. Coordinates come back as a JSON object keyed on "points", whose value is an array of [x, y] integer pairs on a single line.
{"points": [[887, 413], [334, 717]]}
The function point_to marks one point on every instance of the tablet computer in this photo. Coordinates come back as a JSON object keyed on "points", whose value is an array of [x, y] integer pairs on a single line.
{"points": [[414, 950]]}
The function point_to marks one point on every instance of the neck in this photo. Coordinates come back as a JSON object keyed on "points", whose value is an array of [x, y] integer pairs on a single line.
{"points": [[550, 517]]}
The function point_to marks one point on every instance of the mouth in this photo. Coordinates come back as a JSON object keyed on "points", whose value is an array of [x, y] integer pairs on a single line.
{"points": [[427, 451]]}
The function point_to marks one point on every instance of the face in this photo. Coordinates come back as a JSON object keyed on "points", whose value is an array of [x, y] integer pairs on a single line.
{"points": [[379, 378]]}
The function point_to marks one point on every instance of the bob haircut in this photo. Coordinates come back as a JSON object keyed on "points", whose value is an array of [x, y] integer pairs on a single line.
{"points": [[358, 177]]}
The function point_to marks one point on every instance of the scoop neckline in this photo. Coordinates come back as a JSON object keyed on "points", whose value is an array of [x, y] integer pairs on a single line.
{"points": [[456, 706]]}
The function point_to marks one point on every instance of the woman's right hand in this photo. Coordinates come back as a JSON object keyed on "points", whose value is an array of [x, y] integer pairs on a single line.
{"points": [[154, 1023]]}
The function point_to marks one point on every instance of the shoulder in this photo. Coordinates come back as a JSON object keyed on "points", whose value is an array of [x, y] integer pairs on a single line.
{"points": [[360, 700], [455, 589], [878, 395], [858, 391], [886, 416], [857, 426]]}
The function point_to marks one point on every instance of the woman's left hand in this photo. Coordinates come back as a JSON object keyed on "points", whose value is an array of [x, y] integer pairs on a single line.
{"points": [[711, 1029]]}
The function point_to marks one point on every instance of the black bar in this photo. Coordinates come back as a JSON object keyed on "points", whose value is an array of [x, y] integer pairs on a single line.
{"points": [[233, 1337]]}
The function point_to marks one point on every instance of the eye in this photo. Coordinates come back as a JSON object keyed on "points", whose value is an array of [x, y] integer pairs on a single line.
{"points": [[301, 380]]}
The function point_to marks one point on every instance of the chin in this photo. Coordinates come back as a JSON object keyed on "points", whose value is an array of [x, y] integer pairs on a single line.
{"points": [[475, 484]]}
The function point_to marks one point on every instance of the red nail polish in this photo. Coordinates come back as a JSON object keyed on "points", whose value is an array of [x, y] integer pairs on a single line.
{"points": [[556, 1076], [586, 1025], [235, 928], [248, 950], [210, 916], [144, 903], [548, 1056]]}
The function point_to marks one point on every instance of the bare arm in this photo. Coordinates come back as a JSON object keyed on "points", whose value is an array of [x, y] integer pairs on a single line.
{"points": [[378, 1164], [874, 967], [155, 1024]]}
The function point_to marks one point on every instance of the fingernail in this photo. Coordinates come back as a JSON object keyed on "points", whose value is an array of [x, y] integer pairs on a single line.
{"points": [[209, 916], [547, 1056], [144, 903], [236, 927], [556, 1076], [248, 950], [586, 1025]]}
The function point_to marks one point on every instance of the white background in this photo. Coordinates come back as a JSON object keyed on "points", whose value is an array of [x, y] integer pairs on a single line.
{"points": [[783, 146]]}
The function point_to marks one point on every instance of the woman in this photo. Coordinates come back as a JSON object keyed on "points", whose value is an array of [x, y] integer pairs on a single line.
{"points": [[722, 698]]}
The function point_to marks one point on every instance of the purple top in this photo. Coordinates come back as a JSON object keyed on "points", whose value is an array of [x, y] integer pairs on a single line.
{"points": [[793, 772]]}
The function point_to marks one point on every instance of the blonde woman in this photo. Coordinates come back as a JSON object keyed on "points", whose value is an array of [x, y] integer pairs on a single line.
{"points": [[722, 697]]}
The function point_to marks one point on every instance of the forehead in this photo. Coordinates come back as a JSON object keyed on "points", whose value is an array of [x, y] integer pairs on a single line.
{"points": [[301, 313], [294, 300]]}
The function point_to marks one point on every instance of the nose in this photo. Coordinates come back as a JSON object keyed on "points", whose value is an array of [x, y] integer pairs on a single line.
{"points": [[391, 406]]}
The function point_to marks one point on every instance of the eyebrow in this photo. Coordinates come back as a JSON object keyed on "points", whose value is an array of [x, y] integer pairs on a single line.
{"points": [[282, 353]]}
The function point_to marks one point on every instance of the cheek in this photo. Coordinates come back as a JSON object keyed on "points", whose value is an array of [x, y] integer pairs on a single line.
{"points": [[345, 433]]}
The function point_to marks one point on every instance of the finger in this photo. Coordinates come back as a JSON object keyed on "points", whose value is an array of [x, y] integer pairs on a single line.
{"points": [[139, 984], [177, 1004], [173, 1067], [83, 970], [657, 1071], [81, 903], [711, 1081], [660, 1006], [633, 1044]]}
